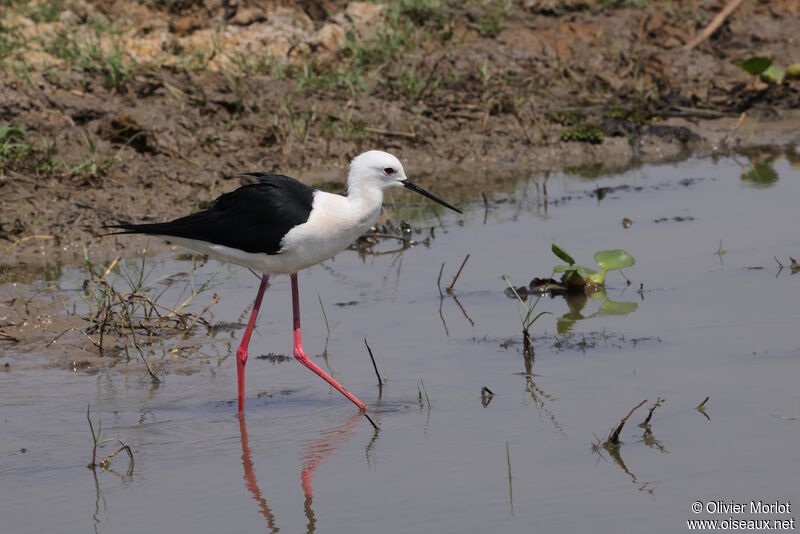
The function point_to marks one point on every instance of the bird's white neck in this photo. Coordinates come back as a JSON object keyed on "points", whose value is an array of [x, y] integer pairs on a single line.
{"points": [[365, 203]]}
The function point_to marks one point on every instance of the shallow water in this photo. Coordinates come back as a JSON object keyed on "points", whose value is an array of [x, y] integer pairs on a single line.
{"points": [[704, 325]]}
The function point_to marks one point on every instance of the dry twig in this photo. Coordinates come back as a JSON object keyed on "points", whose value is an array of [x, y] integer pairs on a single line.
{"points": [[613, 438], [715, 23], [20, 241]]}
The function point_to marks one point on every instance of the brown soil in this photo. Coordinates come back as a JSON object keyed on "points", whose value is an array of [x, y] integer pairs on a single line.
{"points": [[148, 110]]}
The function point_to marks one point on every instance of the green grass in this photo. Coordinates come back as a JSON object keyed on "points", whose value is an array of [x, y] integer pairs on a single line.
{"points": [[567, 118], [584, 133], [79, 46], [13, 144], [18, 152], [10, 42], [91, 165], [44, 11], [87, 53], [378, 62], [490, 23]]}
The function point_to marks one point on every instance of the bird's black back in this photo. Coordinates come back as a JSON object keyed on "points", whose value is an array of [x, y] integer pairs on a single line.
{"points": [[253, 218]]}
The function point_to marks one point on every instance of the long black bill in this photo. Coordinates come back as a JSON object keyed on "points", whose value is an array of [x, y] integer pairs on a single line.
{"points": [[418, 189]]}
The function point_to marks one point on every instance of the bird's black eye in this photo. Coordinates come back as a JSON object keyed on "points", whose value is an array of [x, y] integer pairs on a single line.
{"points": [[388, 171]]}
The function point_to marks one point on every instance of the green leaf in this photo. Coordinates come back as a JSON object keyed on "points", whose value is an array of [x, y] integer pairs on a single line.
{"points": [[761, 175], [754, 65], [793, 71], [620, 307], [561, 253], [611, 260], [7, 132], [773, 75]]}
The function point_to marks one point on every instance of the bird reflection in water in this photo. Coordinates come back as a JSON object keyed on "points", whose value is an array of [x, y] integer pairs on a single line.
{"points": [[250, 479], [315, 453]]}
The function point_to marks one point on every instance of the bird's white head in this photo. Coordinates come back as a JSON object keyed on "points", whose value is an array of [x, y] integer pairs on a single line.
{"points": [[377, 171]]}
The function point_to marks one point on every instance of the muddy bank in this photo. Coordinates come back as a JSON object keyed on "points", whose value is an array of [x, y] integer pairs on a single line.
{"points": [[146, 111]]}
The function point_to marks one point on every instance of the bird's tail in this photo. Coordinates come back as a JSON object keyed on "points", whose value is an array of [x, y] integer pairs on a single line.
{"points": [[129, 228]]}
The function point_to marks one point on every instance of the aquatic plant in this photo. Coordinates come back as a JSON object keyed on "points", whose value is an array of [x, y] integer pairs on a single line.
{"points": [[578, 277], [527, 319], [97, 442]]}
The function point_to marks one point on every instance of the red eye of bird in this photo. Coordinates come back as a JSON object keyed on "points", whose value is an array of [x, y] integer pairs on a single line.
{"points": [[388, 171]]}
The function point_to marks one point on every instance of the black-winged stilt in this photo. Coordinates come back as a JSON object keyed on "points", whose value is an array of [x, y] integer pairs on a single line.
{"points": [[276, 225]]}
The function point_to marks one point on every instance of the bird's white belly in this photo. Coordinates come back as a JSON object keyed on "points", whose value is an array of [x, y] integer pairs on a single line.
{"points": [[327, 232], [287, 262]]}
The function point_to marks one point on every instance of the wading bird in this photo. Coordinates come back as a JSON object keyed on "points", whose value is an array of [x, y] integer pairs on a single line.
{"points": [[275, 225]]}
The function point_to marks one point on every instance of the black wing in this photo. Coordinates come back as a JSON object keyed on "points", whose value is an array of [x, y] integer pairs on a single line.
{"points": [[253, 218]]}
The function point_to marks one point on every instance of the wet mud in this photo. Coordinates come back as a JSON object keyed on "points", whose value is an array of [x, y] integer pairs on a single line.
{"points": [[132, 111]]}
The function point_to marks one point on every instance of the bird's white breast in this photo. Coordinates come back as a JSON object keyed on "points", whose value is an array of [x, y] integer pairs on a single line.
{"points": [[334, 224]]}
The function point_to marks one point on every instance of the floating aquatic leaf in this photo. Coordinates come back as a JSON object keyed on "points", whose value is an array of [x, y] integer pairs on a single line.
{"points": [[611, 260], [773, 75], [761, 175], [561, 253], [618, 307], [754, 65]]}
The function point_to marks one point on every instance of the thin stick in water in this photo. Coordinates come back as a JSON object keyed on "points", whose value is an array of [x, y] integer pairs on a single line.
{"points": [[458, 273], [372, 357], [659, 402], [439, 280], [510, 489], [427, 399], [324, 316], [371, 421]]}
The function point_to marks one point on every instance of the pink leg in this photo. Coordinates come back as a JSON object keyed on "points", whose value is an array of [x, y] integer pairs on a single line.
{"points": [[241, 354], [301, 355]]}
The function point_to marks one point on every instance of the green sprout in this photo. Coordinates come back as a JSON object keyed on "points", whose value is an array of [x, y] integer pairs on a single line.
{"points": [[527, 319], [763, 67], [97, 442]]}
